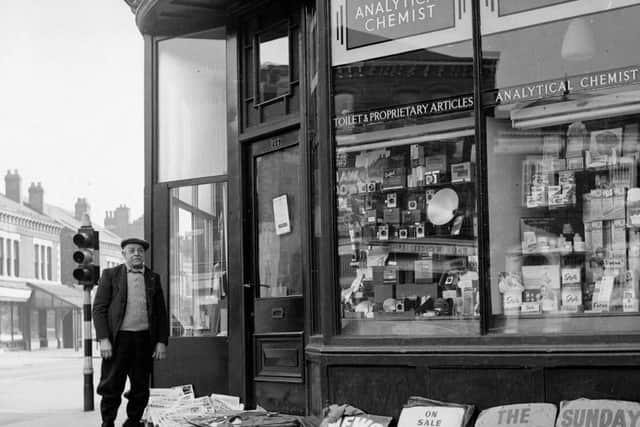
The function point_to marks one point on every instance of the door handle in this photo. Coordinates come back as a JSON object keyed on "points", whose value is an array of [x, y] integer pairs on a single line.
{"points": [[277, 313]]}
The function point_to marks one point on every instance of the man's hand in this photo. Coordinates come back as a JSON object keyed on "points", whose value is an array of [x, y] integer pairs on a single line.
{"points": [[161, 352], [106, 351]]}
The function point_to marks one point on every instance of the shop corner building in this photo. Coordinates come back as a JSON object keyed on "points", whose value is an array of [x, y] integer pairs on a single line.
{"points": [[359, 201]]}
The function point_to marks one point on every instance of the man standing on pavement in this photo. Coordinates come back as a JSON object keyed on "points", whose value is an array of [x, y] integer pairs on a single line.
{"points": [[132, 327]]}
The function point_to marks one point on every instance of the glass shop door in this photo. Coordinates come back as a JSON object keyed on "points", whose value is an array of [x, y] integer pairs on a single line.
{"points": [[274, 265]]}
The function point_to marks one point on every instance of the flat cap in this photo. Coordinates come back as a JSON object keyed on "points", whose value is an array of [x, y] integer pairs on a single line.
{"points": [[140, 242]]}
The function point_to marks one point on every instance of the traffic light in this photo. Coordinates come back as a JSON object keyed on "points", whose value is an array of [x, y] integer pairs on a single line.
{"points": [[87, 256]]}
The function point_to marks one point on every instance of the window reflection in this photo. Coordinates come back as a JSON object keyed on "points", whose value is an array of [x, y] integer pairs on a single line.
{"points": [[198, 296], [274, 63]]}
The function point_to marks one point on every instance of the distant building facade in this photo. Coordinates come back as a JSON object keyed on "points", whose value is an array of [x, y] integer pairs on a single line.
{"points": [[29, 269], [117, 221], [40, 302]]}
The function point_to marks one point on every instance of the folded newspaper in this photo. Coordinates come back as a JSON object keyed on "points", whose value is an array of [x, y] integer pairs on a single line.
{"points": [[178, 407]]}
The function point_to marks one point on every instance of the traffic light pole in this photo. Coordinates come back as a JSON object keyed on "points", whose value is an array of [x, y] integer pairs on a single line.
{"points": [[88, 358], [87, 272]]}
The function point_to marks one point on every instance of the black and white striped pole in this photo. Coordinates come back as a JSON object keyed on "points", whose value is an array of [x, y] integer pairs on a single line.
{"points": [[87, 274]]}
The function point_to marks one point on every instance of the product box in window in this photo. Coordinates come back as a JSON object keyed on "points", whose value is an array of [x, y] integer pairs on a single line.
{"points": [[424, 270], [550, 299], [384, 232], [541, 276], [436, 163], [571, 297], [394, 178], [461, 172], [406, 218], [391, 216]]}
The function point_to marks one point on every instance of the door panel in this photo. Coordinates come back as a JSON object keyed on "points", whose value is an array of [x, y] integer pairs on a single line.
{"points": [[276, 274]]}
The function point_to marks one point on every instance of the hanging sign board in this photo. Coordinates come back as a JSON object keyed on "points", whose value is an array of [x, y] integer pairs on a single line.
{"points": [[518, 415], [504, 15], [366, 29], [281, 215], [598, 413]]}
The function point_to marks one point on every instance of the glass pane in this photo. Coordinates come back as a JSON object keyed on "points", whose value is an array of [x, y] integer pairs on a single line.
{"points": [[17, 328], [406, 193], [274, 63], [5, 322], [198, 267], [277, 209], [563, 147], [192, 106]]}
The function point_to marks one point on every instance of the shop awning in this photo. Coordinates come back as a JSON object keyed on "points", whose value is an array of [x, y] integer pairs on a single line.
{"points": [[55, 295], [11, 291]]}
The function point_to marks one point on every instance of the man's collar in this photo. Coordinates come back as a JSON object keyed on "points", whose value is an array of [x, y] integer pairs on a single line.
{"points": [[135, 269]]}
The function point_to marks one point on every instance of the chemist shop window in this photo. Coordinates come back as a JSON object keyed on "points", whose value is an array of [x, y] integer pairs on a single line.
{"points": [[562, 120], [405, 178], [198, 260]]}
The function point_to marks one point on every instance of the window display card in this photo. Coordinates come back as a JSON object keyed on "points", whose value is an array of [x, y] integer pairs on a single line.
{"points": [[281, 215], [619, 235], [606, 142], [571, 297], [571, 275], [597, 237], [539, 276], [602, 294]]}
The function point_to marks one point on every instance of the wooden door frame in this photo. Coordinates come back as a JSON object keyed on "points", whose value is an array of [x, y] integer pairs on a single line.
{"points": [[240, 365]]}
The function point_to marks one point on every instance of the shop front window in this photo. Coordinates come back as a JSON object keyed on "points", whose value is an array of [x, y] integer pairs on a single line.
{"points": [[192, 106], [198, 260], [562, 126], [405, 171]]}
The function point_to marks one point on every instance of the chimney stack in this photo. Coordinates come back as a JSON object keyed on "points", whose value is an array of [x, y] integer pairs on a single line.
{"points": [[13, 186], [82, 207], [36, 197]]}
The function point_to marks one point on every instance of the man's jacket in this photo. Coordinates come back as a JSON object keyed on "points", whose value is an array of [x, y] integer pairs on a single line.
{"points": [[111, 300]]}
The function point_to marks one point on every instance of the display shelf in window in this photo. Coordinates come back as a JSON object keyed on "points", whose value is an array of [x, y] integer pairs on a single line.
{"points": [[406, 231], [579, 255]]}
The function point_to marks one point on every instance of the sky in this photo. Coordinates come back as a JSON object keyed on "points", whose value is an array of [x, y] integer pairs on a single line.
{"points": [[71, 102]]}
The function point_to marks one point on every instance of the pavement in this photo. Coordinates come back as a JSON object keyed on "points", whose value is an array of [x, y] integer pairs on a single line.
{"points": [[45, 388]]}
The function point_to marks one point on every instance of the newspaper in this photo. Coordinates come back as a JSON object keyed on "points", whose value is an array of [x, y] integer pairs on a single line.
{"points": [[178, 407]]}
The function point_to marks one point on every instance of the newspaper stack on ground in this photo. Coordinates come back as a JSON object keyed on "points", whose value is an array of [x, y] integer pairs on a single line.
{"points": [[178, 407]]}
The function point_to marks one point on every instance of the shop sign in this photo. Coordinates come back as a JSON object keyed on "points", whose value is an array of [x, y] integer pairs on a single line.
{"points": [[504, 15], [571, 84], [518, 415], [598, 413], [366, 29], [374, 21], [410, 111]]}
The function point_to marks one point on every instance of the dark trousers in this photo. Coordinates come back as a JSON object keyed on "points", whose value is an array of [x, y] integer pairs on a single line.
{"points": [[131, 357]]}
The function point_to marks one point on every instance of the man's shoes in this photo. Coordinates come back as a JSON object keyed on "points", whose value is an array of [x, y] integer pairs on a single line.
{"points": [[131, 423]]}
